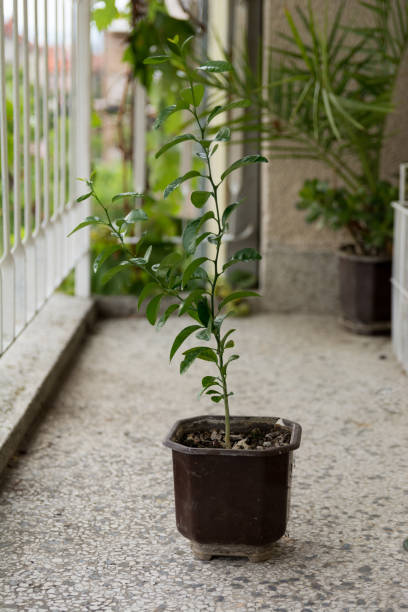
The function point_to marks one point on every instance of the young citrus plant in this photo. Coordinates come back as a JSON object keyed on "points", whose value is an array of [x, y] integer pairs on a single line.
{"points": [[178, 275]]}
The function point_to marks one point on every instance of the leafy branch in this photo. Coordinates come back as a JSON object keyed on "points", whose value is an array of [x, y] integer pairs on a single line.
{"points": [[176, 276]]}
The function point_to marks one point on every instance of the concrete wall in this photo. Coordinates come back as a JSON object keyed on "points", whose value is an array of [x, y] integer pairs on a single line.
{"points": [[299, 268]]}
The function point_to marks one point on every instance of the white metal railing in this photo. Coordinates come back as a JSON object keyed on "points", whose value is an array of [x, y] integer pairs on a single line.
{"points": [[400, 274], [45, 71]]}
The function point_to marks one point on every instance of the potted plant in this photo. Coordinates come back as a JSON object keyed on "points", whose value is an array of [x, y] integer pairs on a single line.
{"points": [[325, 95], [232, 475]]}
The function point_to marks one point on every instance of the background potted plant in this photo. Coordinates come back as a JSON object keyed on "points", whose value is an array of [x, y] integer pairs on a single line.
{"points": [[231, 474], [326, 96]]}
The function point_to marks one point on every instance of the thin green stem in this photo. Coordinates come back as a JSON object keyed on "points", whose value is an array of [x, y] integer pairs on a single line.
{"points": [[217, 274]]}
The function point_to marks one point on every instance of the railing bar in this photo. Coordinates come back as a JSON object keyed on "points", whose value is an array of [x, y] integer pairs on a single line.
{"points": [[63, 113], [16, 129], [56, 116], [45, 120], [37, 125], [402, 182], [72, 104], [26, 115], [3, 143]]}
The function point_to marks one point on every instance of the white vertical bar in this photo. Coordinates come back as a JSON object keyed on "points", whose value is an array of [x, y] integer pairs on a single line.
{"points": [[48, 259], [29, 247], [7, 310], [18, 249], [39, 236], [139, 137], [63, 195], [402, 183], [72, 105], [16, 127], [3, 143], [45, 120], [56, 114], [26, 115], [37, 124], [63, 112], [83, 135]]}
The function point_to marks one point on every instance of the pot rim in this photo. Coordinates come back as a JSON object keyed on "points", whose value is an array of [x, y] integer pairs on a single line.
{"points": [[342, 253], [280, 450]]}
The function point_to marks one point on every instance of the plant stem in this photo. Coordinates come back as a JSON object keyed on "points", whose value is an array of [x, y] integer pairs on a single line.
{"points": [[217, 274]]}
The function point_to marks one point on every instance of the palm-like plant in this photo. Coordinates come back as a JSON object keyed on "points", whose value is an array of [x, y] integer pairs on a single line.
{"points": [[327, 96]]}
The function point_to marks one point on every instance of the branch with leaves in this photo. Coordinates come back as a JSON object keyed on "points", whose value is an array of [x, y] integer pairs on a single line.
{"points": [[177, 275]]}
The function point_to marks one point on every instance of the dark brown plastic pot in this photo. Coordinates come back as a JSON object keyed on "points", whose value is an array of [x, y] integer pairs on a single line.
{"points": [[233, 502], [365, 292]]}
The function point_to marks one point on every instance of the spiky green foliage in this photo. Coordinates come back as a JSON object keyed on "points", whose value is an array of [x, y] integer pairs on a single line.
{"points": [[328, 93]]}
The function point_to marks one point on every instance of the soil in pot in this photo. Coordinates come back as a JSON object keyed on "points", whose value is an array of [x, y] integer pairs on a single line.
{"points": [[256, 438]]}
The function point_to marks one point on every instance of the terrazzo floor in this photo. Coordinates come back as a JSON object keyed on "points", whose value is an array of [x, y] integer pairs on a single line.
{"points": [[86, 506]]}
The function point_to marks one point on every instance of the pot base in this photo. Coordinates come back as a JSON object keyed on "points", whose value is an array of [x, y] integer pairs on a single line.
{"points": [[255, 554], [380, 328]]}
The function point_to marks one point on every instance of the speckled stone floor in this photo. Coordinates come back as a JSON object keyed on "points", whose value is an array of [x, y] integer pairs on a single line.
{"points": [[86, 507]]}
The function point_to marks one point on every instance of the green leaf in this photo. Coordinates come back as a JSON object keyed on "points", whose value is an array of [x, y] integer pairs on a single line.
{"points": [[156, 59], [138, 214], [138, 261], [145, 292], [173, 142], [232, 358], [147, 254], [216, 398], [244, 161], [169, 311], [191, 268], [170, 260], [199, 198], [166, 112], [218, 321], [201, 238], [178, 181], [229, 344], [152, 309], [246, 254], [173, 46], [208, 381], [223, 135], [193, 95], [84, 196], [104, 16], [109, 274], [229, 332], [216, 66], [128, 194], [200, 352], [186, 43], [181, 337], [190, 299], [103, 255], [203, 311], [192, 228], [88, 221], [228, 211], [227, 107], [237, 295], [204, 334]]}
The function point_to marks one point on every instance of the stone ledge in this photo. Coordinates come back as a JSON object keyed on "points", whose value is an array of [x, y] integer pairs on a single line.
{"points": [[32, 367]]}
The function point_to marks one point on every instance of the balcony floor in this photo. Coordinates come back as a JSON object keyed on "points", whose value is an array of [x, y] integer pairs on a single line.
{"points": [[87, 505]]}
